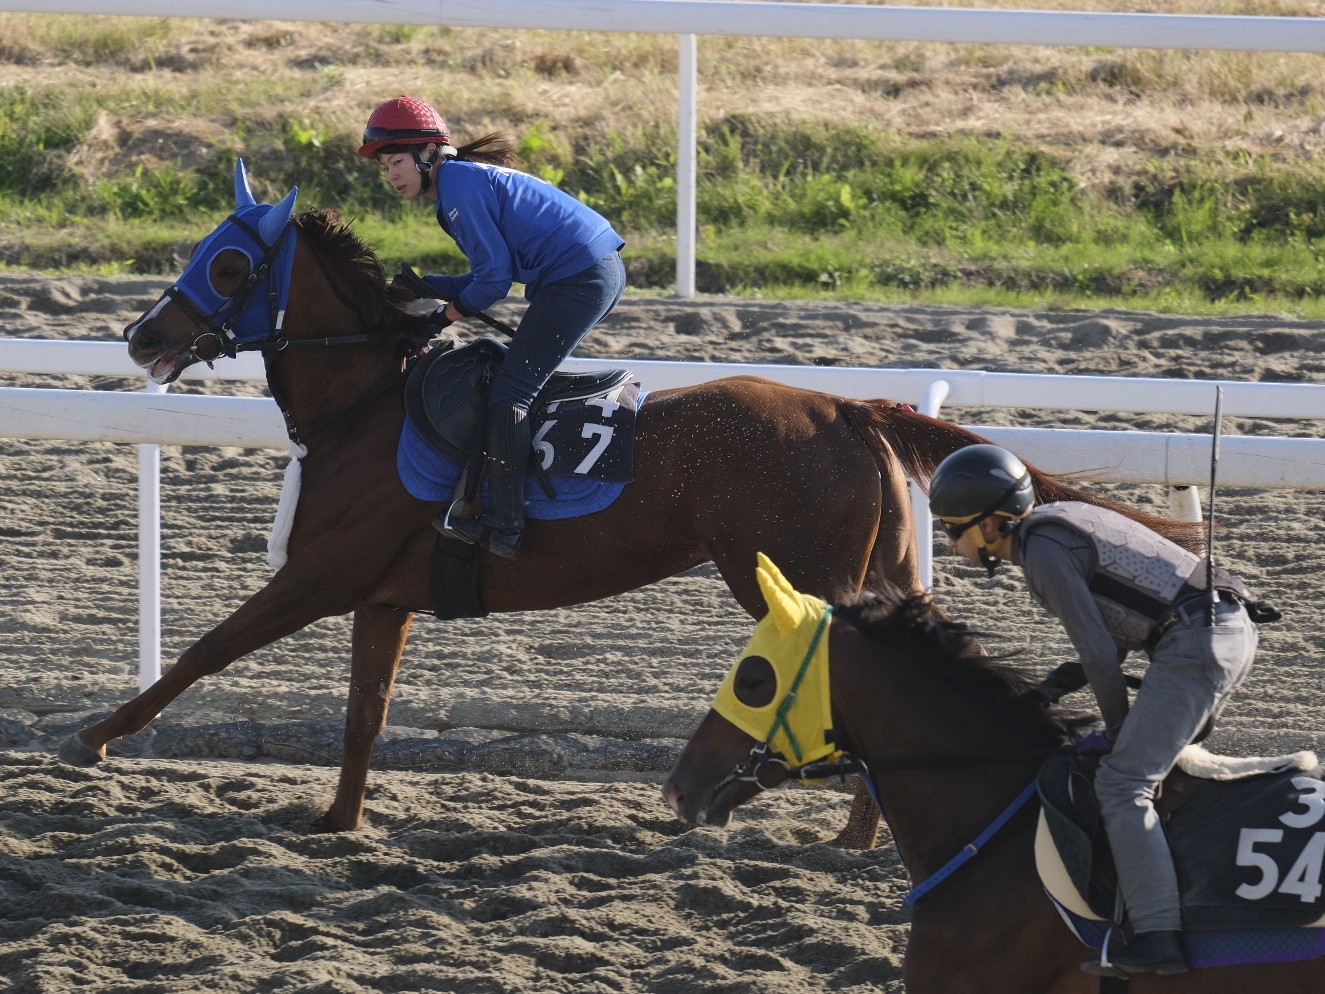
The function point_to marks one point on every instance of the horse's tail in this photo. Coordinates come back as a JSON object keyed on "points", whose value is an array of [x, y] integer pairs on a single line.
{"points": [[921, 443]]}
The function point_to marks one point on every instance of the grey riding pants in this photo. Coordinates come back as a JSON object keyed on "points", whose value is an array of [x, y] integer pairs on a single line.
{"points": [[1193, 671]]}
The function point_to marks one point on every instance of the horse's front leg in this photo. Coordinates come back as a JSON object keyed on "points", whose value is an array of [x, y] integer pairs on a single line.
{"points": [[282, 607], [379, 640]]}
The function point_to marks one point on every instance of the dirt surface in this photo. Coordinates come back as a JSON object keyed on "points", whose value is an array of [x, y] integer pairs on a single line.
{"points": [[516, 840]]}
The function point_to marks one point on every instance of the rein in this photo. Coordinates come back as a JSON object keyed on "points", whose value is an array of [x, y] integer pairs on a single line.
{"points": [[933, 761], [969, 850], [761, 755]]}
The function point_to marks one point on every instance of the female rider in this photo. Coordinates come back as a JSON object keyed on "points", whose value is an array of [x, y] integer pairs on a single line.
{"points": [[513, 227]]}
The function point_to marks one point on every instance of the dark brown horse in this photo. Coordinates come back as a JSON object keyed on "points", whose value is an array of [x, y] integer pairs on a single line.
{"points": [[914, 697], [722, 469]]}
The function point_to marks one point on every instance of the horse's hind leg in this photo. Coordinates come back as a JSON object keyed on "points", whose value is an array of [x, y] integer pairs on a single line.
{"points": [[379, 640]]}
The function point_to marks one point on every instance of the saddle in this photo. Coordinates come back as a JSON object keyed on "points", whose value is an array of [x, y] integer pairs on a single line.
{"points": [[447, 391], [584, 439], [1248, 842]]}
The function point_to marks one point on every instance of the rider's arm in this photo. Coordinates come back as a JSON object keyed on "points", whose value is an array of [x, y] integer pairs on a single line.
{"points": [[1057, 563]]}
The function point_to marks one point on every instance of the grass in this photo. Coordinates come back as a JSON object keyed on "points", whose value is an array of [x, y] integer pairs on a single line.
{"points": [[1017, 176]]}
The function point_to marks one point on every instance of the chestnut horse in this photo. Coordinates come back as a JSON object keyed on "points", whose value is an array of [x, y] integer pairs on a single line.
{"points": [[722, 469], [951, 737]]}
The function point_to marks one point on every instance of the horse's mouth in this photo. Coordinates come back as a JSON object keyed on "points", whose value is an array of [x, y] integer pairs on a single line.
{"points": [[723, 801], [166, 367]]}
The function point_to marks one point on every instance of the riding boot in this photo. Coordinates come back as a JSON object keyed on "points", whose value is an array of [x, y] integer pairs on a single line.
{"points": [[1148, 952], [506, 444]]}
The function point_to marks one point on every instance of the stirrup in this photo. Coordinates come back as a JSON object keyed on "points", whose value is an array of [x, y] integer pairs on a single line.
{"points": [[446, 528], [499, 543], [1096, 967]]}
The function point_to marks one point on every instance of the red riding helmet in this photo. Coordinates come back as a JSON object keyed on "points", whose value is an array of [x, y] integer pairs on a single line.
{"points": [[403, 121]]}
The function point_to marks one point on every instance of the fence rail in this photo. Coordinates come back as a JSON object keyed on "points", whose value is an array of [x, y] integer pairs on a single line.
{"points": [[154, 417], [1167, 458], [773, 20]]}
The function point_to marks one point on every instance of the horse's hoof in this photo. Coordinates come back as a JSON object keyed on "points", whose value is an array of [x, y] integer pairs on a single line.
{"points": [[74, 751], [862, 841], [325, 825]]}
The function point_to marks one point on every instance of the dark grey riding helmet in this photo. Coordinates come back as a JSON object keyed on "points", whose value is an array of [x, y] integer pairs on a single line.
{"points": [[978, 481]]}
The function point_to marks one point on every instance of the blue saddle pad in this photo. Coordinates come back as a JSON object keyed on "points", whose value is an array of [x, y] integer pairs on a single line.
{"points": [[1220, 946], [432, 475]]}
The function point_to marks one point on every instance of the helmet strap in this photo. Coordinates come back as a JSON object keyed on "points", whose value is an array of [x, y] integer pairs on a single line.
{"points": [[420, 163], [1005, 527]]}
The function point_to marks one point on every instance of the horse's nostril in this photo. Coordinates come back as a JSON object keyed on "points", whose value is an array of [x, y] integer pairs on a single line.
{"points": [[140, 340]]}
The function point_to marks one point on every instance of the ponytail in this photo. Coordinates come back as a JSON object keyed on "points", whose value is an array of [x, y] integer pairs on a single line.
{"points": [[495, 149]]}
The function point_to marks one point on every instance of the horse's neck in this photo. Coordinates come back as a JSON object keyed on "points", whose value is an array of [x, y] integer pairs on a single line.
{"points": [[991, 913], [317, 384], [901, 713], [934, 814]]}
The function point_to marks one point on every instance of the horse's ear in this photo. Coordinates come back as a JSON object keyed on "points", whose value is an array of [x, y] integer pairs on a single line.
{"points": [[784, 603], [243, 192], [275, 220]]}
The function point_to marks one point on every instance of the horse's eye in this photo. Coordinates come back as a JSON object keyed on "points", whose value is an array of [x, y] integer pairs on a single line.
{"points": [[755, 682], [228, 272]]}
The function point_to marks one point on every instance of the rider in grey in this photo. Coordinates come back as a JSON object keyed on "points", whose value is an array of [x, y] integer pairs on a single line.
{"points": [[1117, 587]]}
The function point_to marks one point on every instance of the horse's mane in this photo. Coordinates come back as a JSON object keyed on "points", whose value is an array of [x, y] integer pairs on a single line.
{"points": [[360, 275], [950, 649]]}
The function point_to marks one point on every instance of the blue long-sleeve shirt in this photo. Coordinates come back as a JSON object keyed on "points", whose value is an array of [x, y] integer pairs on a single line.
{"points": [[513, 227]]}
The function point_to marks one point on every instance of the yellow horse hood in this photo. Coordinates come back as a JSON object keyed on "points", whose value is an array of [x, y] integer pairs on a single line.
{"points": [[793, 637]]}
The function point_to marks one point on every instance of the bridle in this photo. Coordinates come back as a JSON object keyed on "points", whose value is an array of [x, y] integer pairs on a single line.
{"points": [[763, 758], [230, 328], [240, 323]]}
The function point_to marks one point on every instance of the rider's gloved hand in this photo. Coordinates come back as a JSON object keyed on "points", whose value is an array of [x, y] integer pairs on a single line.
{"points": [[439, 320], [410, 281], [1098, 741]]}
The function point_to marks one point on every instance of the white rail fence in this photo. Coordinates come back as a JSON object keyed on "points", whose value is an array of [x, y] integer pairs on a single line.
{"points": [[155, 418]]}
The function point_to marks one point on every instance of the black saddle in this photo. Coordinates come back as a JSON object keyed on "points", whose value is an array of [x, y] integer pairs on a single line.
{"points": [[447, 391]]}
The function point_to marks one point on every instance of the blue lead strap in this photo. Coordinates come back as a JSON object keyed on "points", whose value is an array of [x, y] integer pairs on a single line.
{"points": [[973, 847]]}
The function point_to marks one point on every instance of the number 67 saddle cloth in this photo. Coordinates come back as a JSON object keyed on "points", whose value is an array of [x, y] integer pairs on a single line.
{"points": [[1248, 843], [583, 431]]}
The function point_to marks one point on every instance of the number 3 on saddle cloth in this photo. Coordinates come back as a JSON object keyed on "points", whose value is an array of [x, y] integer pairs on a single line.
{"points": [[1249, 848]]}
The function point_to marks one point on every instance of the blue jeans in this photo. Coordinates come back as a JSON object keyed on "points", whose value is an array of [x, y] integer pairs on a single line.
{"points": [[1194, 670], [558, 317]]}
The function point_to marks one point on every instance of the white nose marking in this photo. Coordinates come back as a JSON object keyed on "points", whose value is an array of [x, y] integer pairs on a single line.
{"points": [[156, 309]]}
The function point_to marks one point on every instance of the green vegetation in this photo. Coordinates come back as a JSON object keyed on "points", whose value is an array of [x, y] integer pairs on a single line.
{"points": [[109, 170]]}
